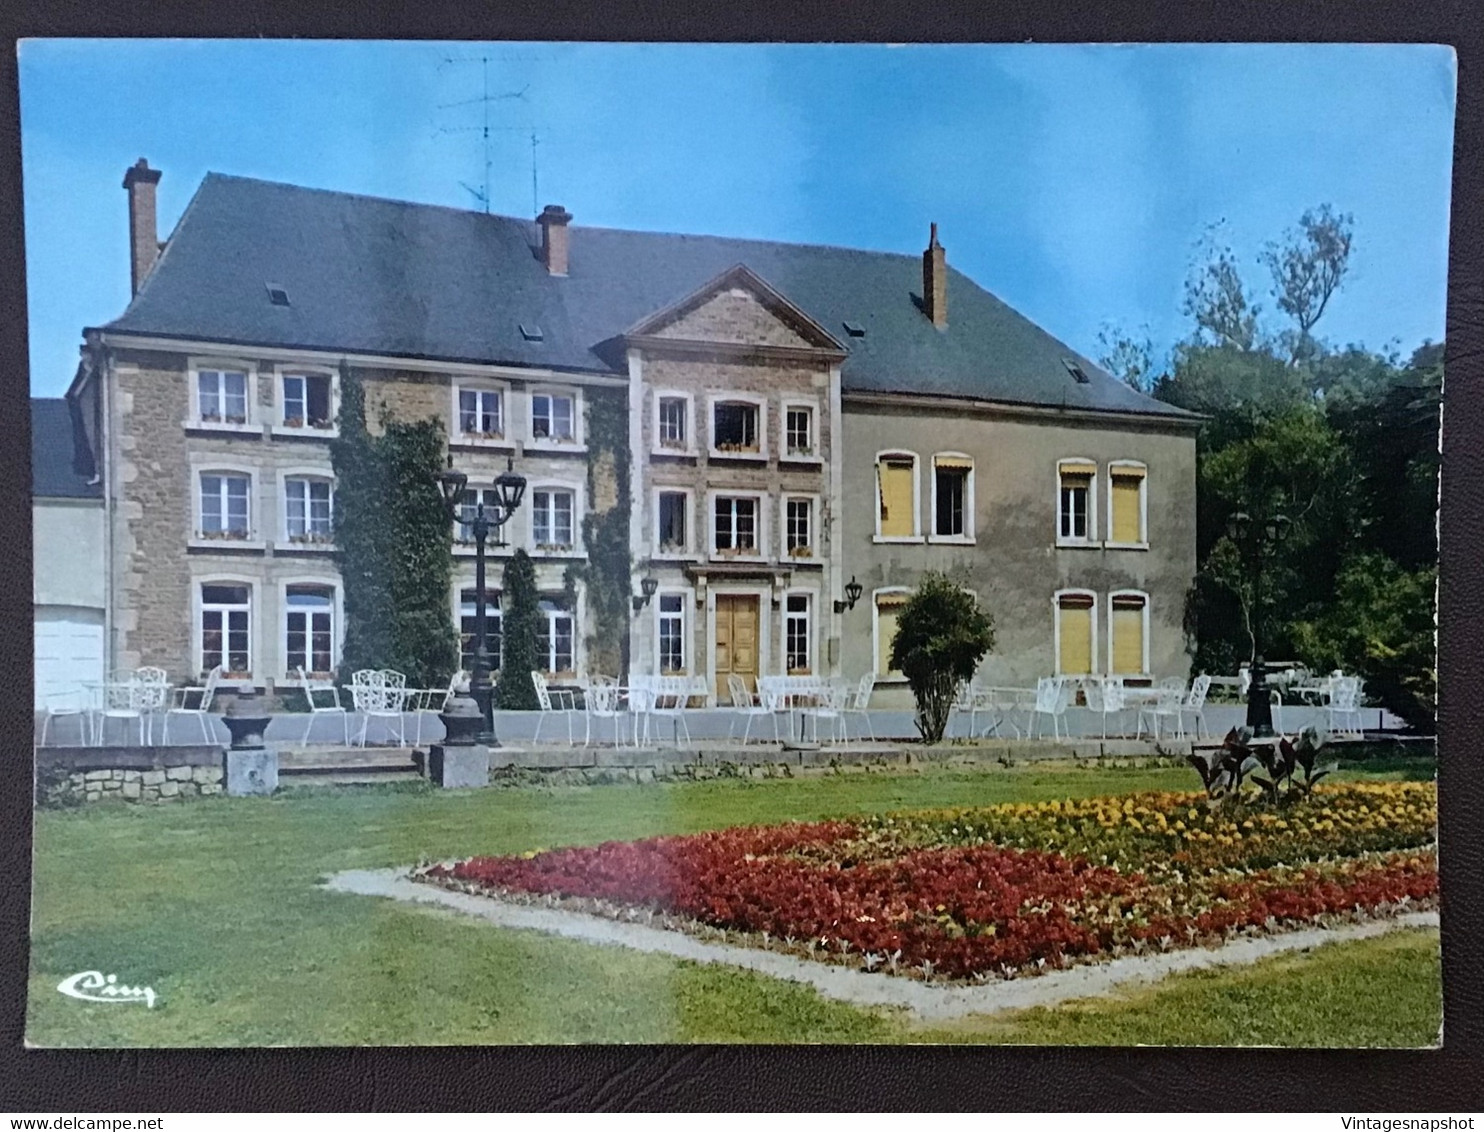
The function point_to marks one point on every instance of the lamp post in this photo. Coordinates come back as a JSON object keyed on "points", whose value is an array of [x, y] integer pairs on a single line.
{"points": [[1255, 540], [509, 490]]}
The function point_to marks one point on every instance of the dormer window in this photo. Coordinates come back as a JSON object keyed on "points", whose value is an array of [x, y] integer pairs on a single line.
{"points": [[306, 401]]}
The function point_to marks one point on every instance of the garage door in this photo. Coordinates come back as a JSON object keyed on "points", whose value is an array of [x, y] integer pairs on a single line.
{"points": [[69, 649]]}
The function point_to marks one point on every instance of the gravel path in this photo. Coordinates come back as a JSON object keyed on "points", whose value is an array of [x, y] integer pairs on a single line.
{"points": [[927, 1001]]}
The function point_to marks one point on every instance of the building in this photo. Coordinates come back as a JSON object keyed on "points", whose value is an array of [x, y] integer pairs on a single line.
{"points": [[790, 417], [67, 581]]}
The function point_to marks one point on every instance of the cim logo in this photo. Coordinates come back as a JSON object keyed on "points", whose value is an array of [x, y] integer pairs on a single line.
{"points": [[94, 986]]}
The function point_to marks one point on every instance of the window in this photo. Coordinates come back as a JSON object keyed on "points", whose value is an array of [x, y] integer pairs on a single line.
{"points": [[672, 634], [222, 396], [1074, 631], [556, 643], [224, 505], [306, 401], [798, 431], [469, 503], [796, 634], [551, 416], [736, 525], [307, 510], [551, 519], [1074, 510], [309, 630], [896, 480], [480, 414], [951, 502], [672, 525], [226, 620], [672, 423], [735, 427], [1128, 623], [798, 515], [468, 626], [888, 607], [1126, 504]]}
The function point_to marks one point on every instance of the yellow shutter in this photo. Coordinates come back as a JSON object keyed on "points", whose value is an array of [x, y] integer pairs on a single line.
{"points": [[1128, 636], [1126, 518], [1078, 468], [1076, 636], [887, 609], [956, 463], [896, 497]]}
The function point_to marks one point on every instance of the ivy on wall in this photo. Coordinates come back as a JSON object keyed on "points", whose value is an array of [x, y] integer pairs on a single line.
{"points": [[605, 533], [393, 543]]}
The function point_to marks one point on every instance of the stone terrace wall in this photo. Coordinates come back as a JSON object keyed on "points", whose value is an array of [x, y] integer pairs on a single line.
{"points": [[68, 776]]}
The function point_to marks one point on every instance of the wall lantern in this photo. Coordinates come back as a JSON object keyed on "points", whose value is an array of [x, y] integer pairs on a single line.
{"points": [[852, 595], [648, 586]]}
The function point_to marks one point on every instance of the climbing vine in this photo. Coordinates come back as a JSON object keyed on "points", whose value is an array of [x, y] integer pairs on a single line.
{"points": [[393, 542], [605, 532]]}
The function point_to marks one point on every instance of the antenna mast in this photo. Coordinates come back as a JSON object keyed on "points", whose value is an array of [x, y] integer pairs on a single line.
{"points": [[484, 193]]}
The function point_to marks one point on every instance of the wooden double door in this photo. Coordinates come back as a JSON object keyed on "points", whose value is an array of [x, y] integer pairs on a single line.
{"points": [[736, 641]]}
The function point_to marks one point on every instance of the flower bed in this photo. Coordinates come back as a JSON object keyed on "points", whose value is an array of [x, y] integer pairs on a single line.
{"points": [[1005, 889]]}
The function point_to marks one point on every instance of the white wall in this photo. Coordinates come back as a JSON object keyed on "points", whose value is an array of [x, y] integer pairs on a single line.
{"points": [[67, 552]]}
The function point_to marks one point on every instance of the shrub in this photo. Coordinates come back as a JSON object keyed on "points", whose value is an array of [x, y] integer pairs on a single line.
{"points": [[942, 634], [520, 634]]}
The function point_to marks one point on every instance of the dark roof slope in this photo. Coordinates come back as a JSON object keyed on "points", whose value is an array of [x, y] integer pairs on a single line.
{"points": [[60, 468], [376, 276]]}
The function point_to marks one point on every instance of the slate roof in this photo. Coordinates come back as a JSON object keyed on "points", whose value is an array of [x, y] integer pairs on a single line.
{"points": [[60, 467], [377, 276]]}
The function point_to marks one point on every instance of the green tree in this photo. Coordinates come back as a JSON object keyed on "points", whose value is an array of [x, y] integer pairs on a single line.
{"points": [[1308, 266], [520, 635], [1127, 356], [942, 634]]}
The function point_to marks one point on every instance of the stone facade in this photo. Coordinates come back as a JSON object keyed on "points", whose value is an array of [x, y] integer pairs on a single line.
{"points": [[168, 784]]}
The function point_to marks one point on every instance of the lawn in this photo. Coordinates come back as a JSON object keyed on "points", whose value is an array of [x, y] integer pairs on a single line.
{"points": [[215, 904]]}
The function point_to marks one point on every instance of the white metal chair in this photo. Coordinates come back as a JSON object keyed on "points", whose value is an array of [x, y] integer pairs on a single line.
{"points": [[75, 703], [546, 697], [376, 693], [1195, 704], [1169, 704], [859, 703], [1342, 713], [432, 701], [833, 700], [152, 690], [667, 699], [322, 689], [750, 706], [1105, 696], [603, 699], [124, 700], [180, 705], [1051, 699]]}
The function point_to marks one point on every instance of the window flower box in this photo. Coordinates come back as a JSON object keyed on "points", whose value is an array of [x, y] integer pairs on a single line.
{"points": [[807, 451], [553, 547], [738, 449], [673, 442], [312, 538], [470, 434], [672, 548], [293, 422], [223, 536], [801, 552]]}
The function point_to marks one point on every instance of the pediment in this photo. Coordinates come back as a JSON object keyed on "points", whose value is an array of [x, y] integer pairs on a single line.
{"points": [[737, 309]]}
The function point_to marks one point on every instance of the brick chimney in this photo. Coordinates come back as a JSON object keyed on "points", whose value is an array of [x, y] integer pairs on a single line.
{"points": [[144, 245], [554, 220], [935, 280]]}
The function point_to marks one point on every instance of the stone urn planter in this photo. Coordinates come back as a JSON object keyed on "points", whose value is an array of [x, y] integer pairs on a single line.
{"points": [[252, 766]]}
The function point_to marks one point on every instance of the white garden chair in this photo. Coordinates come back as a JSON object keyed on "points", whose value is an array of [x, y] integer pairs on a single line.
{"points": [[180, 705], [1195, 703], [1051, 699], [432, 701], [318, 707], [746, 705], [1105, 696], [1342, 713], [859, 703], [603, 699], [378, 693], [546, 697], [73, 703], [668, 700], [1168, 705], [831, 705]]}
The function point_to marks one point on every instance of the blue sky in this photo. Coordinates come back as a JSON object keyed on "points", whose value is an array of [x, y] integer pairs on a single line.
{"points": [[1071, 181]]}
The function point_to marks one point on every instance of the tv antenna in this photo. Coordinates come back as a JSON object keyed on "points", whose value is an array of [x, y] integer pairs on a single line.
{"points": [[483, 193]]}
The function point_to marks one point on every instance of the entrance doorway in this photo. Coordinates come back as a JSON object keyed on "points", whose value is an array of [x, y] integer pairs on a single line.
{"points": [[736, 641]]}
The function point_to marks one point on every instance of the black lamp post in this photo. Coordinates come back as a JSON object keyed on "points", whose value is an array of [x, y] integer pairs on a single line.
{"points": [[509, 490], [1255, 540]]}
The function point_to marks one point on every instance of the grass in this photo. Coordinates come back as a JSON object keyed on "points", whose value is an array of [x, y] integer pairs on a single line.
{"points": [[216, 905]]}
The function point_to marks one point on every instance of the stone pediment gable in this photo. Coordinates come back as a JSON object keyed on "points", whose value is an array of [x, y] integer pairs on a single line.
{"points": [[737, 309]]}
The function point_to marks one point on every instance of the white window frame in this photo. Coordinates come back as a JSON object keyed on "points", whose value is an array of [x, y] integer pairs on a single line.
{"points": [[757, 401], [280, 402], [254, 608], [967, 538], [898, 454], [815, 530], [282, 539], [815, 455], [761, 512], [1092, 505], [1144, 660], [692, 549], [547, 443], [687, 641], [811, 601], [457, 435], [1113, 468], [337, 621], [689, 448], [207, 467], [576, 550], [195, 367], [573, 613], [1056, 624], [876, 595]]}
